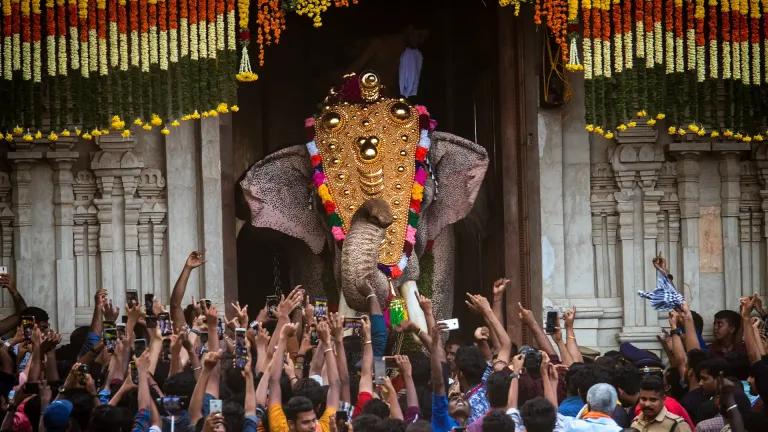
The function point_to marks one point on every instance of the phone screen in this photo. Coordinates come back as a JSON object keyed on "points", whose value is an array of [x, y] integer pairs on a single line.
{"points": [[379, 370], [214, 406], [149, 300], [110, 337], [139, 345], [241, 351], [164, 323], [551, 322], [272, 302], [389, 362], [220, 328], [321, 307], [313, 338], [132, 298], [27, 324]]}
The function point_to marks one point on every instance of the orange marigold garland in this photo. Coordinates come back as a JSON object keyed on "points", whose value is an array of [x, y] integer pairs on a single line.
{"points": [[658, 34], [101, 33], [712, 38], [679, 37]]}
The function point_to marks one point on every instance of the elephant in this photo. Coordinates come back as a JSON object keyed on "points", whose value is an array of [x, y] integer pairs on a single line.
{"points": [[279, 193]]}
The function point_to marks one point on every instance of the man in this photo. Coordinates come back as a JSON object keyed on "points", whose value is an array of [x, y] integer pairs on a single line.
{"points": [[653, 416], [601, 402], [497, 390], [300, 415], [473, 374], [447, 412], [726, 331], [626, 379]]}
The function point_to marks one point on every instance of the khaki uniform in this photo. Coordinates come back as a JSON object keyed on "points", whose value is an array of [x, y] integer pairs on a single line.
{"points": [[664, 422]]}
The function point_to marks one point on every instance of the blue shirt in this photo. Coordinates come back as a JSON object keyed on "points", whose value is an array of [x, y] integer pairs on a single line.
{"points": [[441, 421], [571, 406], [379, 335], [90, 341], [477, 398], [250, 424]]}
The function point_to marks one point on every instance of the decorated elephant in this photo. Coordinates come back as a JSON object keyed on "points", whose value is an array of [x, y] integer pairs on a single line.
{"points": [[375, 184]]}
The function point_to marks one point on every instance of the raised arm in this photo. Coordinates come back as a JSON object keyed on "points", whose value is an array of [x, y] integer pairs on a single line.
{"points": [[565, 356], [94, 333], [517, 368], [249, 404], [337, 333], [480, 304], [286, 332], [212, 322], [549, 379], [210, 362], [194, 260], [284, 309], [570, 336], [390, 395], [751, 343], [437, 360], [9, 323], [526, 316], [366, 364], [406, 370], [691, 339], [334, 384], [499, 287]]}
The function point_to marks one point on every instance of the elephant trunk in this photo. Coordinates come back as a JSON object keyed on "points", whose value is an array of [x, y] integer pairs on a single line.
{"points": [[360, 254]]}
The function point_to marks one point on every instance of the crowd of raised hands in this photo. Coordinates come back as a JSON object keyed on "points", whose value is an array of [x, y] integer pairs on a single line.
{"points": [[293, 364]]}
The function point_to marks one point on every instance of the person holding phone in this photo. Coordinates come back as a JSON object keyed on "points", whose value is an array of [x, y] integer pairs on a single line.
{"points": [[451, 412]]}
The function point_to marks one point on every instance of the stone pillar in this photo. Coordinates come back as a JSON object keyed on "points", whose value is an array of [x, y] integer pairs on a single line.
{"points": [[651, 210], [150, 187], [62, 157], [6, 232], [210, 165], [687, 155], [22, 158], [116, 168], [603, 208], [760, 156], [730, 194]]}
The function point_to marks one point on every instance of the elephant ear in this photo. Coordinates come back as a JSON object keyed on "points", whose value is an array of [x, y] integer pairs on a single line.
{"points": [[459, 167], [279, 194]]}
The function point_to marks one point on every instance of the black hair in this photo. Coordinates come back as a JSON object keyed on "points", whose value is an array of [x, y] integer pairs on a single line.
{"points": [[312, 390], [570, 383], [590, 375], [234, 381], [82, 406], [39, 314], [738, 365], [376, 407], [296, 405], [674, 381], [652, 383], [421, 368], [180, 384], [539, 415], [732, 317], [497, 388], [420, 425], [391, 425], [498, 421], [713, 366], [109, 418], [233, 414], [471, 363], [698, 322], [365, 422], [696, 356], [627, 378]]}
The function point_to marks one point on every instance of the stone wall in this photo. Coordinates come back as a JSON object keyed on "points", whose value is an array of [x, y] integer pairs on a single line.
{"points": [[608, 207], [119, 213]]}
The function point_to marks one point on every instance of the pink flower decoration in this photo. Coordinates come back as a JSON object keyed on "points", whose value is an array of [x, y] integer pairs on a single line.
{"points": [[410, 234], [309, 122], [338, 233], [422, 110], [432, 124], [318, 178], [420, 177]]}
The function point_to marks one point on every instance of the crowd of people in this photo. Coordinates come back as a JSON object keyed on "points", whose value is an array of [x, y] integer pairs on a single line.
{"points": [[295, 366]]}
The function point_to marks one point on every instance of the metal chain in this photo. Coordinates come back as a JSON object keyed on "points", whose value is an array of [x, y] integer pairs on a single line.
{"points": [[277, 282]]}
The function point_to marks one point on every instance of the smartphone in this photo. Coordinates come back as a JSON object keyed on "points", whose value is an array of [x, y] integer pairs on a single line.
{"points": [[551, 322], [134, 372], [342, 418], [214, 406], [206, 302], [32, 388], [173, 405], [314, 339], [241, 351], [354, 324], [120, 330], [321, 307], [149, 300], [151, 321], [131, 298], [124, 319], [453, 323], [3, 270], [379, 370], [254, 325], [139, 345], [164, 322], [108, 324], [27, 325], [272, 302], [82, 371], [110, 337], [389, 362], [165, 353]]}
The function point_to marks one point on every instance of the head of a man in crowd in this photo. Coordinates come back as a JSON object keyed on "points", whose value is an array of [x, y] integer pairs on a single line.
{"points": [[539, 415], [707, 373], [498, 421], [391, 425], [651, 398], [41, 317], [471, 366], [451, 348], [376, 407], [312, 390], [626, 379], [300, 414], [365, 422], [111, 418], [458, 408], [602, 398], [497, 388], [726, 326]]}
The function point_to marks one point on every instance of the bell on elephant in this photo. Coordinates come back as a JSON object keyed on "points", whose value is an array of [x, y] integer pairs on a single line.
{"points": [[374, 163]]}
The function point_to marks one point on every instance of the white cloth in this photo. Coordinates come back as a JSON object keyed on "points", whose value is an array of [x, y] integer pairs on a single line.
{"points": [[410, 71], [593, 425], [561, 423]]}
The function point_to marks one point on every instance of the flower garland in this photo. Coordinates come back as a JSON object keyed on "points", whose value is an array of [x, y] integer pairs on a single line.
{"points": [[735, 37], [37, 59], [712, 39], [16, 34], [725, 29], [313, 9], [658, 34], [650, 53], [93, 44], [754, 24], [82, 14], [744, 42], [320, 181], [586, 40], [50, 38], [669, 37], [26, 41], [699, 35]]}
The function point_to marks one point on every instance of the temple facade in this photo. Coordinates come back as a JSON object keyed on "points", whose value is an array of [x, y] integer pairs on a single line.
{"points": [[608, 207]]}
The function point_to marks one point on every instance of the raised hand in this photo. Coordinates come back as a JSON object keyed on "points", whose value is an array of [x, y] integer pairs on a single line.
{"points": [[288, 304], [324, 332], [674, 319], [365, 328], [336, 323], [517, 363], [426, 304], [242, 313], [195, 259], [407, 326], [478, 303], [262, 337], [50, 341], [143, 361], [569, 316], [288, 331], [110, 312], [525, 315], [482, 333], [37, 337], [746, 304], [100, 298], [214, 422], [211, 359], [499, 287], [544, 369], [211, 314], [404, 364]]}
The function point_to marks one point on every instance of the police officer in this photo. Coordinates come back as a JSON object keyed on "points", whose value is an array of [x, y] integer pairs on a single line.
{"points": [[653, 416]]}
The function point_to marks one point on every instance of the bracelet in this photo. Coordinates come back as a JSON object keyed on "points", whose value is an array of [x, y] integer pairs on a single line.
{"points": [[326, 351], [367, 342], [731, 407], [572, 337], [294, 378], [196, 369]]}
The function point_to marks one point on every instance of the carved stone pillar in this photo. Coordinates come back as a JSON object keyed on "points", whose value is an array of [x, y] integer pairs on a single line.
{"points": [[730, 195], [116, 167], [84, 219], [687, 155], [603, 206], [760, 156], [150, 188], [6, 231], [62, 157], [669, 217], [23, 158]]}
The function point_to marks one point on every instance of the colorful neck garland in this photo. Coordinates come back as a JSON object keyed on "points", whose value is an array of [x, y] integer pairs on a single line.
{"points": [[426, 125]]}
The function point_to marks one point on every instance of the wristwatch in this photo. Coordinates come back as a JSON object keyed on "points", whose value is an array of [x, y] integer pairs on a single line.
{"points": [[678, 331]]}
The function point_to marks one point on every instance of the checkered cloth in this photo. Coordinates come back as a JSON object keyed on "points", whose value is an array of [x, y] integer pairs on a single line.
{"points": [[665, 297]]}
